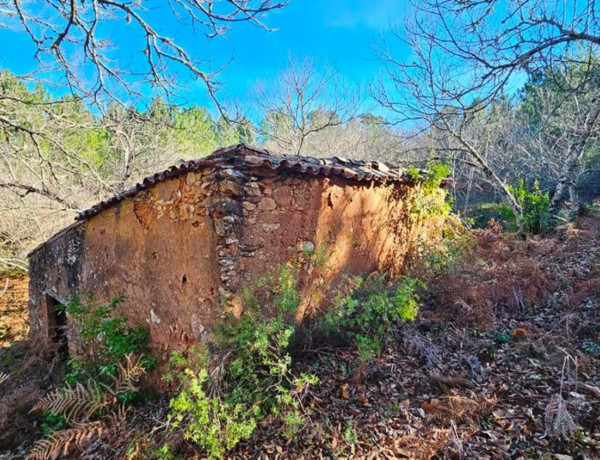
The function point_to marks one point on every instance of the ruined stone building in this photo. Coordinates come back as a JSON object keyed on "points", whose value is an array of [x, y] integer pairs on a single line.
{"points": [[181, 245]]}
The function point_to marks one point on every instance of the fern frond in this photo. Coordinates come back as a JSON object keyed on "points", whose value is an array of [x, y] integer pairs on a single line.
{"points": [[76, 404], [117, 418], [128, 375], [3, 377], [59, 443]]}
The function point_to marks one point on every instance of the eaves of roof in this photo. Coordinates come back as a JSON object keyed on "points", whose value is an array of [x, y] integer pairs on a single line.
{"points": [[245, 157]]}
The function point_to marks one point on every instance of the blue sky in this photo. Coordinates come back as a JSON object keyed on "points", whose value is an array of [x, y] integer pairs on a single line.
{"points": [[340, 32]]}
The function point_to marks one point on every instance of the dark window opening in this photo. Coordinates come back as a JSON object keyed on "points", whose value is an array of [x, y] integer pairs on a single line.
{"points": [[57, 325], [184, 279]]}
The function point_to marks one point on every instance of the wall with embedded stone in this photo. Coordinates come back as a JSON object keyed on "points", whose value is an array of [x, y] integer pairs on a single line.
{"points": [[182, 250], [355, 227], [157, 249]]}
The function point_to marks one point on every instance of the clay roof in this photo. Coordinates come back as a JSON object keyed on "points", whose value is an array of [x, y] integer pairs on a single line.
{"points": [[246, 157]]}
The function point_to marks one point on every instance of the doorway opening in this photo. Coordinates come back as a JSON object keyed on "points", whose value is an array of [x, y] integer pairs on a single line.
{"points": [[57, 325]]}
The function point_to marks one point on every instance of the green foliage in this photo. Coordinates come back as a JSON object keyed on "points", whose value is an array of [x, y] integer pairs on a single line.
{"points": [[413, 173], [163, 453], [52, 422], [115, 359], [435, 174], [214, 424], [432, 199], [194, 131], [249, 373], [106, 337], [350, 436], [368, 314], [501, 337], [591, 347], [536, 218]]}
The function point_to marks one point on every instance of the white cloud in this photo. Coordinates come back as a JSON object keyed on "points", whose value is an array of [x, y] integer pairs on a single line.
{"points": [[373, 14]]}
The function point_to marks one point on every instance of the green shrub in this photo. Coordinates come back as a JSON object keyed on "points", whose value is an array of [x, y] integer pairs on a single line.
{"points": [[442, 237], [368, 313], [214, 423], [248, 375], [535, 219], [106, 337]]}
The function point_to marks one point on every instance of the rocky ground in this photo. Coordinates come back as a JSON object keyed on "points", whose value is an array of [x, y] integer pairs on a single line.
{"points": [[503, 362]]}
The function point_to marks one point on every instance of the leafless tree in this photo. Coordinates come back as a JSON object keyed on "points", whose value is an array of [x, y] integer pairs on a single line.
{"points": [[55, 157], [72, 41], [467, 54], [302, 103]]}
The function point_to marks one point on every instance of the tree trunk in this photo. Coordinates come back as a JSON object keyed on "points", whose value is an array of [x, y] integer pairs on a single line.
{"points": [[493, 178], [567, 176], [574, 200]]}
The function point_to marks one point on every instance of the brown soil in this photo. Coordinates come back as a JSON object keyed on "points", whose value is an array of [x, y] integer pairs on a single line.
{"points": [[13, 308]]}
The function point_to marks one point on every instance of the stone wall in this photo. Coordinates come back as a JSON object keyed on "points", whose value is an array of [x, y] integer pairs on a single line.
{"points": [[182, 251], [355, 227], [157, 250]]}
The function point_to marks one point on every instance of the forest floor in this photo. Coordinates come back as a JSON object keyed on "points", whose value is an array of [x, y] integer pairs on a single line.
{"points": [[503, 362]]}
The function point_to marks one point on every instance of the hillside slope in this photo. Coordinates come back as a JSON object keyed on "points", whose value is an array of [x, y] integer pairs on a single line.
{"points": [[502, 362]]}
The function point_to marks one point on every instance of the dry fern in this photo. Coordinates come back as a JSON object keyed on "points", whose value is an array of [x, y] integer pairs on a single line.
{"points": [[3, 377], [59, 443], [76, 404], [128, 375], [79, 403], [422, 447], [459, 407]]}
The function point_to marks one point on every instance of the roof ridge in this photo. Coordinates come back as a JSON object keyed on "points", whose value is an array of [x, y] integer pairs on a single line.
{"points": [[248, 156]]}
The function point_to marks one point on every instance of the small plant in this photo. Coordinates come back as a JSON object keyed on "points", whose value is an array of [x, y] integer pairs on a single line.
{"points": [[368, 314], [107, 339], [591, 347], [501, 337], [52, 422], [248, 375], [211, 422], [350, 436]]}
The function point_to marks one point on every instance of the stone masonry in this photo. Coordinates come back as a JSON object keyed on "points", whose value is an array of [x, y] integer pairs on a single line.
{"points": [[182, 244]]}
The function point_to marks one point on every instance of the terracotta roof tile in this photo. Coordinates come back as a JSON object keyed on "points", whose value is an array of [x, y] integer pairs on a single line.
{"points": [[243, 156]]}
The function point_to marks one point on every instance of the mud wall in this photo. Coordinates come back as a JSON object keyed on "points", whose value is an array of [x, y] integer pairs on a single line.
{"points": [[157, 250], [182, 251], [354, 228]]}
